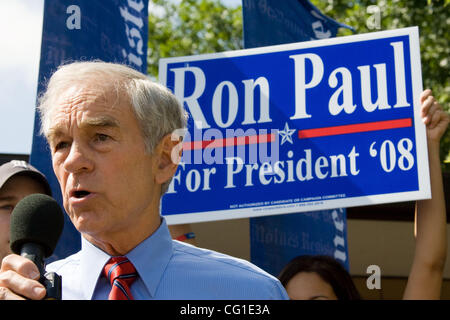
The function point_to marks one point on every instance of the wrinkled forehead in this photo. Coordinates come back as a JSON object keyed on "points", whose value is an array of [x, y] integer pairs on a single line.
{"points": [[83, 102], [101, 93]]}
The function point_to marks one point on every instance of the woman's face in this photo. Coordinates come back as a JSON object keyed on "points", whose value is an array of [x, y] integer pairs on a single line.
{"points": [[309, 286]]}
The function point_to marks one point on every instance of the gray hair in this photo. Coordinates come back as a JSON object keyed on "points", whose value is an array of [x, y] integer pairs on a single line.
{"points": [[157, 110]]}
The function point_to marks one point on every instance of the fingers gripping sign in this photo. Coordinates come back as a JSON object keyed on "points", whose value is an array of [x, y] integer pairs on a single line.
{"points": [[434, 117]]}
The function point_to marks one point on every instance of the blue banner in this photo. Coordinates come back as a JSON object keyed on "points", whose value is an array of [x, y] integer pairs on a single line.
{"points": [[275, 240], [271, 22], [112, 31], [266, 23]]}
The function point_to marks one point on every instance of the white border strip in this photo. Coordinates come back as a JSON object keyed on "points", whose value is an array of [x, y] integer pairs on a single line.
{"points": [[292, 208]]}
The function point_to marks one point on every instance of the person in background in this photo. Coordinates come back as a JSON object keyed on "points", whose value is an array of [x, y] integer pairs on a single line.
{"points": [[319, 277], [18, 179]]}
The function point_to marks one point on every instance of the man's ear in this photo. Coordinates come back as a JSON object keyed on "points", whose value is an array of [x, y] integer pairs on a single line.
{"points": [[168, 153]]}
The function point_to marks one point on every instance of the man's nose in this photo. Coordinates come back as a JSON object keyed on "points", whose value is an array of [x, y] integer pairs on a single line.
{"points": [[78, 159]]}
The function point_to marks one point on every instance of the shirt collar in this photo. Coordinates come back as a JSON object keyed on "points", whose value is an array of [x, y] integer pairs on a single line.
{"points": [[150, 259], [92, 261]]}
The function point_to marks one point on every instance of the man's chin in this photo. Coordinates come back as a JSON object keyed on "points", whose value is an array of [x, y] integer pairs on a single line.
{"points": [[84, 222]]}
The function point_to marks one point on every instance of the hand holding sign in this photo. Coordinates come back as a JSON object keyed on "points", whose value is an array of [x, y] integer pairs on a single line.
{"points": [[435, 118]]}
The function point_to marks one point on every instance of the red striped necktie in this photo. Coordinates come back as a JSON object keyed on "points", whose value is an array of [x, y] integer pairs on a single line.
{"points": [[121, 273]]}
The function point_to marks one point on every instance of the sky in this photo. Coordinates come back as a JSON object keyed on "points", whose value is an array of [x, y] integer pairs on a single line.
{"points": [[21, 31], [21, 28]]}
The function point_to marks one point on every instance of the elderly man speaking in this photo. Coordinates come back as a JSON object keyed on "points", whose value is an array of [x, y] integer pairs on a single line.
{"points": [[109, 130]]}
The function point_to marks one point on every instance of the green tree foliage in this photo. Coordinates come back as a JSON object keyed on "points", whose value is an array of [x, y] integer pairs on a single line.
{"points": [[181, 28], [186, 27]]}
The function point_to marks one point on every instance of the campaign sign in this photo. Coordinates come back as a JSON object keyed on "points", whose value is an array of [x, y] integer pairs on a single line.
{"points": [[298, 127]]}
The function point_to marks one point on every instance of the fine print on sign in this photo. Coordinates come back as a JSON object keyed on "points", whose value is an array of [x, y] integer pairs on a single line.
{"points": [[305, 126]]}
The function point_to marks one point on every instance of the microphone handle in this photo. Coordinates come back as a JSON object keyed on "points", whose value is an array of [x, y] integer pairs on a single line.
{"points": [[53, 285], [35, 253], [51, 281]]}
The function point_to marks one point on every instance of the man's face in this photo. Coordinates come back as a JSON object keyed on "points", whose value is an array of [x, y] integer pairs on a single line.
{"points": [[99, 158], [14, 190]]}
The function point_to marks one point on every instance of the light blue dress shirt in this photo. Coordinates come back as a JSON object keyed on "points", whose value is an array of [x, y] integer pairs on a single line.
{"points": [[168, 269]]}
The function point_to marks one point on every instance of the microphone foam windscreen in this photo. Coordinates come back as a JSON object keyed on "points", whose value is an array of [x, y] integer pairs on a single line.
{"points": [[37, 218]]}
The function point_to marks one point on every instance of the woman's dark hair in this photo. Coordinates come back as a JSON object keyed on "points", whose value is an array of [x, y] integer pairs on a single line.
{"points": [[329, 269]]}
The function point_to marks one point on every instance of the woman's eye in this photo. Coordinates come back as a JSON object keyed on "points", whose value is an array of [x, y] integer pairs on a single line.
{"points": [[6, 207]]}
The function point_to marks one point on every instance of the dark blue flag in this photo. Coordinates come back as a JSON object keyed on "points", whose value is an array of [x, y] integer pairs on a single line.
{"points": [[275, 240], [112, 31], [271, 22]]}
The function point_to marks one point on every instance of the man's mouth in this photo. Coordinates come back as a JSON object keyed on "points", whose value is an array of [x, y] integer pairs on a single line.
{"points": [[79, 194]]}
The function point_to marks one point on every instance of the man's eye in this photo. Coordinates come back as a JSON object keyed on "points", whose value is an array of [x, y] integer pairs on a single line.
{"points": [[61, 145], [101, 137]]}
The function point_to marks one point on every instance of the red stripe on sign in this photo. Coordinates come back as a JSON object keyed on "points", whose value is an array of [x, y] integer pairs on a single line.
{"points": [[355, 128], [229, 142]]}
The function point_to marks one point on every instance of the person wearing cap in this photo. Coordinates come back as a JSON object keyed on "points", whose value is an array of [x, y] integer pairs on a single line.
{"points": [[18, 179]]}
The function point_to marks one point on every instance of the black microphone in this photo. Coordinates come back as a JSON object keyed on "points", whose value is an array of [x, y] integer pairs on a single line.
{"points": [[36, 224]]}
